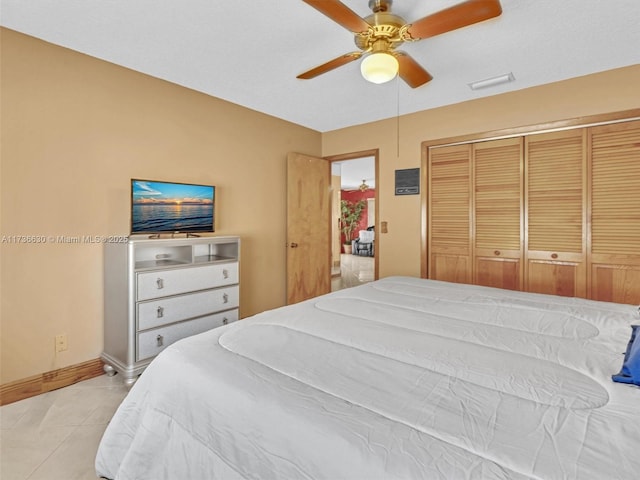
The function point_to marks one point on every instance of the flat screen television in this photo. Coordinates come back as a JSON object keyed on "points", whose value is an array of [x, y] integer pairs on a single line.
{"points": [[168, 207]]}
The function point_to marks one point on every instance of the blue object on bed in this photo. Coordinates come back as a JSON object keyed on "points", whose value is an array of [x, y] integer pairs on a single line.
{"points": [[630, 372]]}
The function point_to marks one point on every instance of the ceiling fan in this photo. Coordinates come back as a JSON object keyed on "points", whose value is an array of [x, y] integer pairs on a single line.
{"points": [[363, 187], [378, 36]]}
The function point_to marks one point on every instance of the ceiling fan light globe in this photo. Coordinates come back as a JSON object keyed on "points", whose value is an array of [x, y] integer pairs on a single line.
{"points": [[379, 67]]}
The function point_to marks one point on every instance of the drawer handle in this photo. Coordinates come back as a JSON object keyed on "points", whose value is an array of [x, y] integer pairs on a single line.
{"points": [[160, 283], [497, 252], [554, 255], [160, 340], [225, 320], [225, 273], [225, 298], [160, 312]]}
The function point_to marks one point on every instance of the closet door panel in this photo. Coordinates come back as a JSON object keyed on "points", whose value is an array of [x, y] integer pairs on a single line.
{"points": [[450, 268], [554, 276], [497, 272], [615, 212], [448, 213], [497, 213], [615, 282], [555, 205]]}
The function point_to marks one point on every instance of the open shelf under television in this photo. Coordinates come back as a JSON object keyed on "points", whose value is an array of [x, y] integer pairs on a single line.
{"points": [[157, 253]]}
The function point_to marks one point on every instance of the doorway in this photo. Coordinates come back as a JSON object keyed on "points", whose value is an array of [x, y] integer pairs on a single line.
{"points": [[354, 258]]}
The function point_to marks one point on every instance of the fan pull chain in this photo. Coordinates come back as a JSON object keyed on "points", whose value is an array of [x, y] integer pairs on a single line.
{"points": [[398, 117]]}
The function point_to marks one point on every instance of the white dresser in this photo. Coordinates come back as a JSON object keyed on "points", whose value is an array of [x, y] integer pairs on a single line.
{"points": [[158, 291]]}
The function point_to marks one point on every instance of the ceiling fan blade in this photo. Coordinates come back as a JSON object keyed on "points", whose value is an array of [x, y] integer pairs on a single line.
{"points": [[410, 71], [458, 16], [330, 65], [340, 13]]}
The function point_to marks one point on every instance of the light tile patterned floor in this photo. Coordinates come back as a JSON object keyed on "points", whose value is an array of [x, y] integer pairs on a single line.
{"points": [[55, 436], [354, 270]]}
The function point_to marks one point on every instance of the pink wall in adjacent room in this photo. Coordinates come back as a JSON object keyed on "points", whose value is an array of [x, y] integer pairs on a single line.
{"points": [[354, 196]]}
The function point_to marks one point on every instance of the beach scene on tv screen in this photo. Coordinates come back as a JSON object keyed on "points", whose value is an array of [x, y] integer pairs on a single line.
{"points": [[171, 207]]}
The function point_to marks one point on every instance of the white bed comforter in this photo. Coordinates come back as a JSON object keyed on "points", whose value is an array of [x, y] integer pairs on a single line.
{"points": [[400, 378]]}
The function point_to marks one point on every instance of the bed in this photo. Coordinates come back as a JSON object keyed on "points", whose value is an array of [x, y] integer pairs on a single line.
{"points": [[401, 378]]}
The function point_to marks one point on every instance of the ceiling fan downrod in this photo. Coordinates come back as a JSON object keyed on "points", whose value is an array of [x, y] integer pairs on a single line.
{"points": [[380, 5]]}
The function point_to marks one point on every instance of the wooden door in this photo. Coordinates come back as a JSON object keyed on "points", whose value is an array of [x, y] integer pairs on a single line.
{"points": [[497, 213], [614, 260], [308, 227], [449, 213], [555, 216]]}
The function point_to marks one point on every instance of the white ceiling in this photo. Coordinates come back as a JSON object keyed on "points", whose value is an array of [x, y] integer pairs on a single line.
{"points": [[249, 51], [353, 172]]}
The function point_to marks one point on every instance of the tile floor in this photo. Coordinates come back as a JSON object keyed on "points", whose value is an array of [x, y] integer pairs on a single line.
{"points": [[354, 270], [55, 436]]}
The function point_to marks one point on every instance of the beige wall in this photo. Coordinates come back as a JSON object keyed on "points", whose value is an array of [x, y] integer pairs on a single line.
{"points": [[75, 130], [399, 250]]}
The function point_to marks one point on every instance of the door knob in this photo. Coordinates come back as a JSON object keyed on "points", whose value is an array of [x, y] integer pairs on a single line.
{"points": [[294, 245]]}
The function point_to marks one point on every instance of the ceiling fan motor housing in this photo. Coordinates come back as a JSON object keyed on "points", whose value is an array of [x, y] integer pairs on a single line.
{"points": [[385, 26]]}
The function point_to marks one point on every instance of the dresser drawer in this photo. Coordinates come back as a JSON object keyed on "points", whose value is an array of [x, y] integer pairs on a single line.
{"points": [[155, 313], [164, 283], [152, 342]]}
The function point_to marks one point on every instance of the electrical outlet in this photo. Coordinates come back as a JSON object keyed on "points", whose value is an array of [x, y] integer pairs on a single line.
{"points": [[61, 342]]}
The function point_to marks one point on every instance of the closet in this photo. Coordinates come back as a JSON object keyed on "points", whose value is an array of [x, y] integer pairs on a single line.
{"points": [[614, 237], [497, 213], [554, 212]]}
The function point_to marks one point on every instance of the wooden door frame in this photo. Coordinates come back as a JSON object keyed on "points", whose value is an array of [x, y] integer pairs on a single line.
{"points": [[375, 153]]}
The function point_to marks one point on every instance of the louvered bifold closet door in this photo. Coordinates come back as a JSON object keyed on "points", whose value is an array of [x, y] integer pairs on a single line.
{"points": [[448, 213], [555, 213], [498, 211], [614, 260]]}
